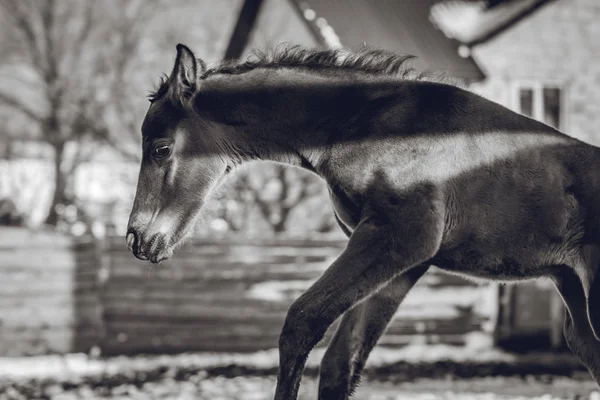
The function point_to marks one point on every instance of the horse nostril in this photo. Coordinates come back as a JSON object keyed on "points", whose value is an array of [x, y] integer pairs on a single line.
{"points": [[131, 239]]}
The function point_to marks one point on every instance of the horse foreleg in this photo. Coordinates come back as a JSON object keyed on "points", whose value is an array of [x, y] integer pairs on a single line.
{"points": [[360, 329], [377, 251], [577, 329]]}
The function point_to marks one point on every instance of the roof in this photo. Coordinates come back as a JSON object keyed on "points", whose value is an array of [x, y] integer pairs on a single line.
{"points": [[474, 22], [400, 26]]}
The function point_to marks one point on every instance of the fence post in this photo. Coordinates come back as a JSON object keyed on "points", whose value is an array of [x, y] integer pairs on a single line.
{"points": [[557, 316], [103, 277]]}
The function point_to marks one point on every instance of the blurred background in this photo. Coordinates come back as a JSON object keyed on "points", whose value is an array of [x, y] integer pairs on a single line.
{"points": [[81, 318]]}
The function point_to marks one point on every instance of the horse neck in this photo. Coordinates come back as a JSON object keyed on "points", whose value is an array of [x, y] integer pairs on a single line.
{"points": [[282, 116]]}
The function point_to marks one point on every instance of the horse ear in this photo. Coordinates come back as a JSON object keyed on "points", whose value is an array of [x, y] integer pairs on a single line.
{"points": [[186, 71]]}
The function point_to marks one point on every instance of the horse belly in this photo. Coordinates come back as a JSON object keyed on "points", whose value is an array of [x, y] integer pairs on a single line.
{"points": [[510, 223], [495, 266]]}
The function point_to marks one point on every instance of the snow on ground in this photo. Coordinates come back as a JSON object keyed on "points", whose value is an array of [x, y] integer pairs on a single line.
{"points": [[187, 376], [199, 387], [72, 365]]}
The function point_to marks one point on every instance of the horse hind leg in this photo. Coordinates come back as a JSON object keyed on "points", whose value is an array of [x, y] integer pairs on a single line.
{"points": [[360, 329], [590, 277], [577, 328]]}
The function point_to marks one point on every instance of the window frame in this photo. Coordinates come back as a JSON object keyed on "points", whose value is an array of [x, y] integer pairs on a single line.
{"points": [[537, 87]]}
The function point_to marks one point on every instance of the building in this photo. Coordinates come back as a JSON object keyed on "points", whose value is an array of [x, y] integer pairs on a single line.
{"points": [[537, 57], [540, 57], [404, 27]]}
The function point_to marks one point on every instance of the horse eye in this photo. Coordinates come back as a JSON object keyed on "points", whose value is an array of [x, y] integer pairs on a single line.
{"points": [[162, 151]]}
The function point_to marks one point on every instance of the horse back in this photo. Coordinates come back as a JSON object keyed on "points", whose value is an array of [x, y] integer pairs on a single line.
{"points": [[517, 195]]}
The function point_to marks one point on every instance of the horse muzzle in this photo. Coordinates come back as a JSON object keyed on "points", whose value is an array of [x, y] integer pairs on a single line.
{"points": [[153, 249]]}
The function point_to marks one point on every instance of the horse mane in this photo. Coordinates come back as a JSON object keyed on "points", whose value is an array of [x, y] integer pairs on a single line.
{"points": [[369, 61], [159, 89]]}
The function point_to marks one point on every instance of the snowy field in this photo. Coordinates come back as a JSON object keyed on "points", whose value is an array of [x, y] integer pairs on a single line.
{"points": [[392, 374], [261, 388], [201, 387]]}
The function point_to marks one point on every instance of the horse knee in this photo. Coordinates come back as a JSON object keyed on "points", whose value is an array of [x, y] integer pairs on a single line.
{"points": [[302, 330]]}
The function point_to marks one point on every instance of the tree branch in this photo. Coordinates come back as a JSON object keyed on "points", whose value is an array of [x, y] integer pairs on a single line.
{"points": [[48, 18], [83, 34], [23, 22], [17, 105], [263, 206]]}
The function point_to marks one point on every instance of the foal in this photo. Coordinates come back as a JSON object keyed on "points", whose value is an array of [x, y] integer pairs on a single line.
{"points": [[420, 173]]}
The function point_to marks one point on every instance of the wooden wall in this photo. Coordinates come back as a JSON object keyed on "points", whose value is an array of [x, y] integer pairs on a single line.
{"points": [[48, 293], [59, 294], [232, 294]]}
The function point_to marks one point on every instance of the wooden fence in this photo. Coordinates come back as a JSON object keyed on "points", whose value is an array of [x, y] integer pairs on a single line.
{"points": [[232, 294], [49, 291], [59, 294]]}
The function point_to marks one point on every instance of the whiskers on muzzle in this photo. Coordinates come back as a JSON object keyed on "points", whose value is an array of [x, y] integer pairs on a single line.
{"points": [[154, 248]]}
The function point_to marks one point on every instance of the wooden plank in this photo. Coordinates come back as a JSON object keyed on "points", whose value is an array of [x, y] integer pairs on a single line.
{"points": [[180, 263], [56, 300], [199, 290], [33, 254], [194, 333], [116, 242], [189, 285], [192, 342], [140, 278], [181, 316], [13, 237], [218, 338], [199, 329], [170, 345], [173, 301], [25, 276], [199, 260], [34, 341], [42, 319], [117, 295], [47, 288], [139, 312], [49, 258], [273, 323], [158, 306], [15, 274], [194, 277]]}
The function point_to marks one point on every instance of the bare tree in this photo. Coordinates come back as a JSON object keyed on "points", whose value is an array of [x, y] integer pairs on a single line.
{"points": [[284, 197], [79, 52]]}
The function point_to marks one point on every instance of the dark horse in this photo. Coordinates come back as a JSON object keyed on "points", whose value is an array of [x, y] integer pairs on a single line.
{"points": [[420, 173]]}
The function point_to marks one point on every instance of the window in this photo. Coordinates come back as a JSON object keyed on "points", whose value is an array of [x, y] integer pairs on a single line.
{"points": [[543, 102]]}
